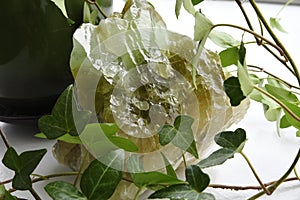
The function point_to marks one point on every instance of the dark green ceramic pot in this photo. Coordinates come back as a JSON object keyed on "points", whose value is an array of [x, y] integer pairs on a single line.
{"points": [[35, 45]]}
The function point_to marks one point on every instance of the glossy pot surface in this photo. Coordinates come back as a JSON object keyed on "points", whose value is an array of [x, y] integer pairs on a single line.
{"points": [[36, 41]]}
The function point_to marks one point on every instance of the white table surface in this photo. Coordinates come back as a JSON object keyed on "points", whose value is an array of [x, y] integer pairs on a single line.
{"points": [[270, 154]]}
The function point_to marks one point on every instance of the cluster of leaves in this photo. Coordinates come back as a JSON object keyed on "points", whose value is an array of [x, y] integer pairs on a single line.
{"points": [[99, 181], [278, 97]]}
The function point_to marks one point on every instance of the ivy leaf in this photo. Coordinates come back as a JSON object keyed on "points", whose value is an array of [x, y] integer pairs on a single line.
{"points": [[296, 110], [232, 140], [66, 138], [5, 195], [170, 170], [184, 138], [281, 93], [11, 160], [124, 143], [272, 111], [181, 134], [196, 2], [183, 122], [196, 178], [99, 181], [229, 56], [61, 120], [202, 26], [284, 123], [242, 54], [30, 160], [109, 128], [61, 190], [179, 192], [21, 181], [189, 7], [275, 23], [166, 134], [178, 6], [101, 138], [23, 165], [216, 158], [233, 90], [154, 178], [298, 133], [223, 39], [244, 79]]}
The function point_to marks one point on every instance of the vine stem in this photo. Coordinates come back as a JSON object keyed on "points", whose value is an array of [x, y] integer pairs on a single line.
{"points": [[296, 173], [235, 187], [137, 194], [275, 185], [279, 102], [34, 194], [275, 38], [260, 69], [6, 182], [239, 3], [184, 160], [278, 48], [5, 140], [259, 42], [81, 168], [127, 5], [255, 174], [47, 177]]}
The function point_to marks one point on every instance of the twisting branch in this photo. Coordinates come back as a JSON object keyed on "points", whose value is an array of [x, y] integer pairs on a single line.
{"points": [[3, 136], [239, 3], [237, 188], [276, 40], [275, 185], [258, 36], [128, 4]]}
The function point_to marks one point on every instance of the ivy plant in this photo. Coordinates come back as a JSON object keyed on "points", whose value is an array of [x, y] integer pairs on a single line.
{"points": [[111, 166]]}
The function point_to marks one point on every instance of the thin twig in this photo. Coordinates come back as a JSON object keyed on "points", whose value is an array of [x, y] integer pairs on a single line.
{"points": [[296, 173], [255, 174], [4, 139], [274, 76], [275, 38], [47, 177], [278, 48], [282, 61], [239, 3], [275, 185], [81, 168], [127, 179], [232, 187], [6, 182], [127, 5], [34, 194]]}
